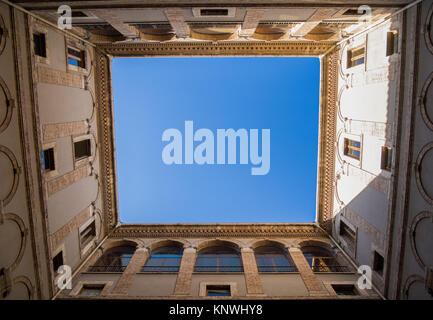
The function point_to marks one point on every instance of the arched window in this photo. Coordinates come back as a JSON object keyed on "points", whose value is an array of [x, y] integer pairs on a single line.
{"points": [[322, 260], [114, 260], [218, 259], [164, 259], [273, 259]]}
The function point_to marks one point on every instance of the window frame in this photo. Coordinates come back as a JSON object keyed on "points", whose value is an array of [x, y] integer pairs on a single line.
{"points": [[219, 267], [84, 56], [37, 28], [351, 59], [48, 174], [106, 286], [271, 256], [85, 247], [387, 155], [78, 162], [392, 43], [205, 284], [351, 247], [163, 257], [348, 147]]}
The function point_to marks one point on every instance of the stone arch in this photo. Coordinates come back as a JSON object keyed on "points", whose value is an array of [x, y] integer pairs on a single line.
{"points": [[166, 243], [314, 243], [216, 242], [122, 243], [270, 243]]}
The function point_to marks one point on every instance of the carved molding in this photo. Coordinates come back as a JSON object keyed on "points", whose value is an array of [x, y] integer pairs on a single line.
{"points": [[103, 95], [412, 232], [217, 230], [419, 161], [10, 103], [327, 139], [226, 48], [423, 102], [428, 28]]}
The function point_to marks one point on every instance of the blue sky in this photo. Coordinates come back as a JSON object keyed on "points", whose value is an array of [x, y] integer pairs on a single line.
{"points": [[155, 94]]}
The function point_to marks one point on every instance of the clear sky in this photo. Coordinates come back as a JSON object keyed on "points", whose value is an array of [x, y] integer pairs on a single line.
{"points": [[155, 94]]}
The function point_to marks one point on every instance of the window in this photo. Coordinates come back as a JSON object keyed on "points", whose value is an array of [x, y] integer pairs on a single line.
{"points": [[273, 259], [344, 289], [321, 260], [386, 162], [82, 149], [48, 160], [91, 290], [114, 260], [78, 14], [77, 57], [40, 44], [352, 148], [355, 57], [378, 263], [391, 43], [348, 235], [214, 12], [353, 12], [218, 291], [165, 259], [218, 259], [58, 261], [87, 234]]}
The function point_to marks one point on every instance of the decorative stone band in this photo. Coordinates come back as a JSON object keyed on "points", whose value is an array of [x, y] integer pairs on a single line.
{"points": [[226, 48], [183, 283], [52, 76], [375, 129], [58, 130], [60, 235], [137, 262], [360, 222], [254, 230], [67, 179], [314, 286]]}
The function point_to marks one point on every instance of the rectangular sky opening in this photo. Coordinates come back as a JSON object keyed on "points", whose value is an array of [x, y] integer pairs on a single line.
{"points": [[216, 140]]}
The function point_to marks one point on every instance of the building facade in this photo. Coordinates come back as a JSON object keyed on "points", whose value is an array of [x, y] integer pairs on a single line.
{"points": [[58, 195]]}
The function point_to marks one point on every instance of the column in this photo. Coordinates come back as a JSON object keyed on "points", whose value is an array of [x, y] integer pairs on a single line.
{"points": [[314, 286], [135, 264], [252, 277], [184, 277]]}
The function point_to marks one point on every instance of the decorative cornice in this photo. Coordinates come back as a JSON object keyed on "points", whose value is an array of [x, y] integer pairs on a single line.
{"points": [[327, 139], [204, 48], [236, 230], [223, 48]]}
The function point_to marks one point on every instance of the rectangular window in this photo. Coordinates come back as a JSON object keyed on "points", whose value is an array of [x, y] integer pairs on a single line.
{"points": [[58, 261], [91, 290], [345, 289], [82, 149], [352, 148], [214, 12], [386, 162], [217, 291], [378, 263], [355, 57], [48, 160], [39, 44], [87, 234], [391, 43], [348, 235], [77, 57], [353, 12]]}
